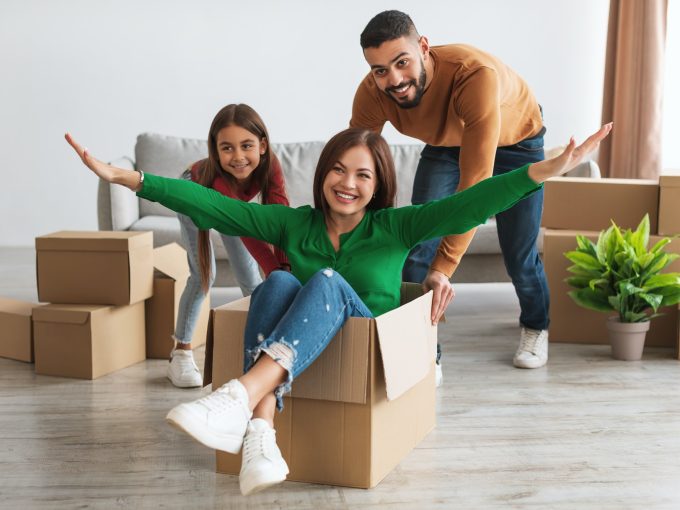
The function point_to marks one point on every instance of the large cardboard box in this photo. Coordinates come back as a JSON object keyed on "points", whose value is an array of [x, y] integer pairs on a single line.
{"points": [[572, 323], [360, 408], [87, 341], [171, 272], [582, 203], [108, 268], [677, 335], [16, 330], [669, 205]]}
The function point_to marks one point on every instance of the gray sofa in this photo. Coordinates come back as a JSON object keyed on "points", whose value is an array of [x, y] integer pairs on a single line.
{"points": [[118, 209]]}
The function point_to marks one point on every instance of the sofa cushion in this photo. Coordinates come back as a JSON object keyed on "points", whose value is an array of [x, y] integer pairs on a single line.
{"points": [[168, 156], [298, 161]]}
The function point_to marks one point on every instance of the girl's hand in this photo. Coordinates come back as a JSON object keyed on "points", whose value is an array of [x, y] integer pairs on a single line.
{"points": [[570, 157], [103, 170]]}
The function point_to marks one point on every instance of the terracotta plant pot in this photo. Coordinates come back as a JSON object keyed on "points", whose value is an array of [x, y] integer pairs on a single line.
{"points": [[627, 338]]}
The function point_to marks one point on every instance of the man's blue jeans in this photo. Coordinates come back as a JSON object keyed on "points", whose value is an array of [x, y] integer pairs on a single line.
{"points": [[438, 175], [293, 323]]}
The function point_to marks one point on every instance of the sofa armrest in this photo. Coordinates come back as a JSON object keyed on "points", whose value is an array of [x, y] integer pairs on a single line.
{"points": [[117, 207]]}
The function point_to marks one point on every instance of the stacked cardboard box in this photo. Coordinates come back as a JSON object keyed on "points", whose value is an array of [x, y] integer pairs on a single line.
{"points": [[586, 206], [571, 323], [171, 272], [96, 283], [669, 205], [669, 220], [16, 330], [360, 408]]}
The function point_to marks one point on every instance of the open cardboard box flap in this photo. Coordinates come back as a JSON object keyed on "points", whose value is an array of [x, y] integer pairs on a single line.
{"points": [[171, 260], [408, 344]]}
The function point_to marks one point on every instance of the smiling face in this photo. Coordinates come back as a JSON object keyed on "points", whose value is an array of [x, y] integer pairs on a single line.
{"points": [[398, 67], [350, 184], [239, 151]]}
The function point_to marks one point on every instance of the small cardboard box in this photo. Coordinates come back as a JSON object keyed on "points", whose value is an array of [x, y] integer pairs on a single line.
{"points": [[669, 205], [363, 404], [107, 268], [87, 341], [581, 203], [170, 278], [16, 331], [572, 323]]}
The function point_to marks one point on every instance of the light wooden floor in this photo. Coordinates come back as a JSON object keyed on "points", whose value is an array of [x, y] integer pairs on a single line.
{"points": [[584, 432]]}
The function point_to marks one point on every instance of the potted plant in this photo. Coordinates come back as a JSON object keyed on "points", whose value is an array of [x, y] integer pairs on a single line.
{"points": [[619, 274]]}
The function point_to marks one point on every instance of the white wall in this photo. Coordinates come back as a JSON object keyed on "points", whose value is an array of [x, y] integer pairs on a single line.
{"points": [[107, 70]]}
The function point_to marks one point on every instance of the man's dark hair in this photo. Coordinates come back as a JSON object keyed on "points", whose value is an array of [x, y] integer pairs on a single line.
{"points": [[387, 26]]}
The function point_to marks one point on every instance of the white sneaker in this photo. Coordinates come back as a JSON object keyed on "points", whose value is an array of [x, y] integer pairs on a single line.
{"points": [[218, 420], [262, 465], [533, 349], [182, 370], [438, 376]]}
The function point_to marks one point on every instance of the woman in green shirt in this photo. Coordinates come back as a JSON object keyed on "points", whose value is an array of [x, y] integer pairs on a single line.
{"points": [[346, 255]]}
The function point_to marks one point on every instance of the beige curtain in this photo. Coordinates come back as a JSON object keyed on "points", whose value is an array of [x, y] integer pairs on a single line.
{"points": [[633, 88]]}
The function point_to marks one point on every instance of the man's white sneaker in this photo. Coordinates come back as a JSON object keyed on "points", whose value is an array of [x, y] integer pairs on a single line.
{"points": [[218, 420], [262, 465], [533, 349], [182, 370], [438, 376]]}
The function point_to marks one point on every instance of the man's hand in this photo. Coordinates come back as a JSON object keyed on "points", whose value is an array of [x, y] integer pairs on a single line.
{"points": [[443, 293]]}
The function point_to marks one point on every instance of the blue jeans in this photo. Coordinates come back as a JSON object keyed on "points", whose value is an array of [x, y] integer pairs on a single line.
{"points": [[293, 323], [438, 175], [245, 268]]}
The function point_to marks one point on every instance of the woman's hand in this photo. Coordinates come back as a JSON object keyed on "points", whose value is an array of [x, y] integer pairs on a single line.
{"points": [[570, 157], [103, 170]]}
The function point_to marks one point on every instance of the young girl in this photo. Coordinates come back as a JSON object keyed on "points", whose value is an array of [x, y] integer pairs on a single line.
{"points": [[346, 257], [240, 165]]}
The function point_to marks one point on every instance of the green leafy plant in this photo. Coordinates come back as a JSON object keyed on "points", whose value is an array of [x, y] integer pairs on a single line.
{"points": [[619, 273]]}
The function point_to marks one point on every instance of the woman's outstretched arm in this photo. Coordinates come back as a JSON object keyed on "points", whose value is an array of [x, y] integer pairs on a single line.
{"points": [[570, 157], [109, 173]]}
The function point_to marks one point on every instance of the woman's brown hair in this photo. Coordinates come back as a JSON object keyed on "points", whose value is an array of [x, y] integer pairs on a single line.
{"points": [[243, 116], [386, 185]]}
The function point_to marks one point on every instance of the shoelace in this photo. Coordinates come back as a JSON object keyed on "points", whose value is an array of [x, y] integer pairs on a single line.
{"points": [[254, 444], [529, 340], [219, 400]]}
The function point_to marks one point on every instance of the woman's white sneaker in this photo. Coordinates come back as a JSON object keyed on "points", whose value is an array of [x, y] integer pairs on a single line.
{"points": [[218, 420], [262, 465], [182, 370]]}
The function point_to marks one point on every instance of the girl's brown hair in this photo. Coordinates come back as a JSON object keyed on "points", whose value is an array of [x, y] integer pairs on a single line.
{"points": [[243, 116], [386, 185]]}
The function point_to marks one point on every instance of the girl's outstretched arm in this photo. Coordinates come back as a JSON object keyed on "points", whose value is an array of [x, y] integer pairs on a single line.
{"points": [[570, 157], [109, 173]]}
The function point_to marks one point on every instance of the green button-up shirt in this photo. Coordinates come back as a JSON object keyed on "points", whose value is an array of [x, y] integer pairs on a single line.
{"points": [[371, 256]]}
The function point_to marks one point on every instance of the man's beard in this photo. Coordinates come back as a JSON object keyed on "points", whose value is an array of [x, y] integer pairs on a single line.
{"points": [[419, 86]]}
